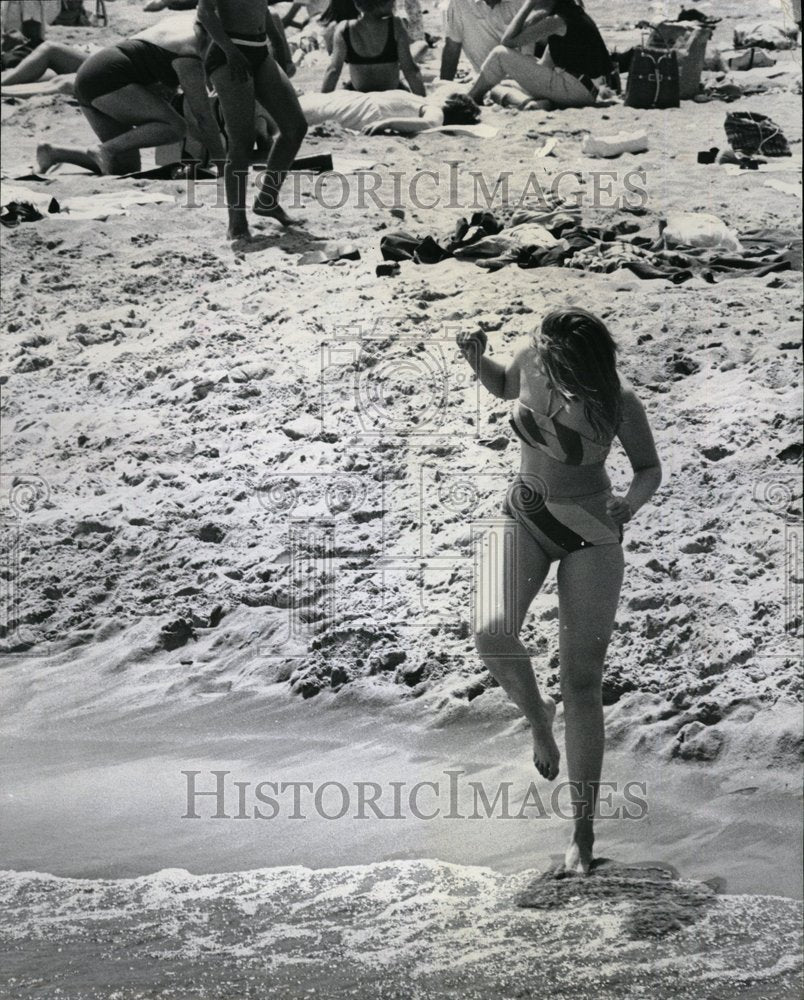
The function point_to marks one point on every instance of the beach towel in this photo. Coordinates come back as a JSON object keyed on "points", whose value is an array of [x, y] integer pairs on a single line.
{"points": [[22, 204], [478, 131]]}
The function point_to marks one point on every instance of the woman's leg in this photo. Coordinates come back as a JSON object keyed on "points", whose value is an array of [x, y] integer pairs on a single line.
{"points": [[512, 569], [50, 55], [277, 95], [237, 107], [588, 591], [540, 81]]}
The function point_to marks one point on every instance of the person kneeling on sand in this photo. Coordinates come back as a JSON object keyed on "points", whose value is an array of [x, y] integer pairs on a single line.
{"points": [[395, 111], [115, 88], [573, 68], [241, 68], [376, 48]]}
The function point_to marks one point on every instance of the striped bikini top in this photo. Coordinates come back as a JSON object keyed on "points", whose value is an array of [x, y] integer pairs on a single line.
{"points": [[562, 443]]}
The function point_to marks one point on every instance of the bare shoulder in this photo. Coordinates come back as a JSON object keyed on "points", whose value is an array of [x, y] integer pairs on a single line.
{"points": [[520, 367], [524, 351], [630, 400]]}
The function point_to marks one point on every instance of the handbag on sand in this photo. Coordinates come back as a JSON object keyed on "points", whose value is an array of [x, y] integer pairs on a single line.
{"points": [[752, 134], [653, 79]]}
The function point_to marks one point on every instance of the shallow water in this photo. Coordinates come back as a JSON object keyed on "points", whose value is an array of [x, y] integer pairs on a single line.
{"points": [[112, 805]]}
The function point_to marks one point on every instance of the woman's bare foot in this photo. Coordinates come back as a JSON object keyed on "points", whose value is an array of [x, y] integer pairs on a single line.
{"points": [[275, 212], [545, 751], [580, 854], [44, 157]]}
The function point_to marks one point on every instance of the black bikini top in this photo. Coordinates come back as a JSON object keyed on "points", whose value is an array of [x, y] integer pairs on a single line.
{"points": [[387, 55]]}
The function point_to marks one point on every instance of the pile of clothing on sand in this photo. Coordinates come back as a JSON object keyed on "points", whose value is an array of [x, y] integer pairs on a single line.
{"points": [[687, 245]]}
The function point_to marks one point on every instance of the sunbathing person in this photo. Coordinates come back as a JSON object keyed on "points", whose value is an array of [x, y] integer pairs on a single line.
{"points": [[50, 57], [115, 88], [375, 47], [572, 69], [396, 111], [240, 66]]}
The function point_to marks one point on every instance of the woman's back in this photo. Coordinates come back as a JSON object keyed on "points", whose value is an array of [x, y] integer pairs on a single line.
{"points": [[371, 53]]}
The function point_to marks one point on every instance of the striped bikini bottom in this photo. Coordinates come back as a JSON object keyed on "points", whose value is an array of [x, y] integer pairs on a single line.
{"points": [[564, 524]]}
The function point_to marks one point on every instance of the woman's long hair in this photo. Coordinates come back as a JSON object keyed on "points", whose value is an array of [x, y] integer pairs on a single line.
{"points": [[579, 357]]}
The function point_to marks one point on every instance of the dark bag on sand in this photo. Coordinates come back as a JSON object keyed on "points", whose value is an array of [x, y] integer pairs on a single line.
{"points": [[652, 79], [72, 14], [752, 134]]}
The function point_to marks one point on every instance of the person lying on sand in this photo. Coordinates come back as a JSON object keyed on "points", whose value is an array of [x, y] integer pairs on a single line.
{"points": [[240, 66], [573, 68], [570, 405], [115, 88], [396, 111], [376, 48], [49, 57]]}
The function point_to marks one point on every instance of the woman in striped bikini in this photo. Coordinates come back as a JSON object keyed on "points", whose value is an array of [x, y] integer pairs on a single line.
{"points": [[570, 405]]}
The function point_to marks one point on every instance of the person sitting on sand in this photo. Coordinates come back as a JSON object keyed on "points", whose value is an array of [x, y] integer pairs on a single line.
{"points": [[240, 66], [115, 89], [570, 405], [396, 111], [473, 28], [375, 47], [573, 68]]}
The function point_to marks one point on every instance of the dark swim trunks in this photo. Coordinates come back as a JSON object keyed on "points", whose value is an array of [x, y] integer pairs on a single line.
{"points": [[253, 47], [132, 61]]}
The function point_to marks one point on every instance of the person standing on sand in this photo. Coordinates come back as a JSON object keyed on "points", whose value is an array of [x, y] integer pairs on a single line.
{"points": [[242, 70], [573, 68], [115, 88], [570, 405]]}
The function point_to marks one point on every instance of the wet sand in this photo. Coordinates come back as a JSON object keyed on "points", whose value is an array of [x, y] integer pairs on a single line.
{"points": [[85, 805]]}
